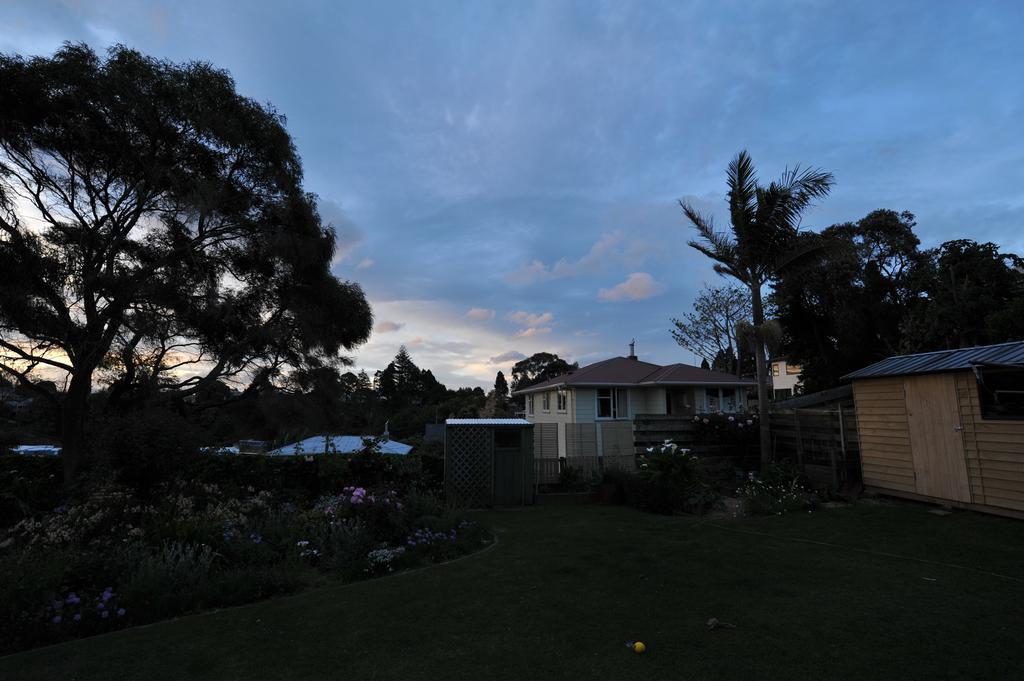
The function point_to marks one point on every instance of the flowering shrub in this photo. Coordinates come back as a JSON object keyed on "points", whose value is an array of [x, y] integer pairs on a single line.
{"points": [[778, 490], [671, 481]]}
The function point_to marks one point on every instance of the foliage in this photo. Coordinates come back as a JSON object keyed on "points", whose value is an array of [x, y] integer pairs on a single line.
{"points": [[877, 295], [779, 489], [168, 247], [670, 481], [765, 241], [711, 330], [573, 479], [199, 542], [537, 368]]}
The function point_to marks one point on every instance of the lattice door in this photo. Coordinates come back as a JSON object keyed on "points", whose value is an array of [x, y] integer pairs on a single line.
{"points": [[469, 465]]}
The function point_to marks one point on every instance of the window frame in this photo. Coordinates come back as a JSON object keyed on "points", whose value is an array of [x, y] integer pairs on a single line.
{"points": [[562, 401], [545, 402], [529, 404], [985, 404], [616, 397]]}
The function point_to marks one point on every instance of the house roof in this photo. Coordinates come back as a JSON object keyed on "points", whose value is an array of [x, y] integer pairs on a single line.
{"points": [[1004, 354], [631, 372], [839, 394]]}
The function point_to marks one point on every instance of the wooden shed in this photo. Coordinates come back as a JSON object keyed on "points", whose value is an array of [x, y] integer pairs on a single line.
{"points": [[946, 427], [488, 462]]}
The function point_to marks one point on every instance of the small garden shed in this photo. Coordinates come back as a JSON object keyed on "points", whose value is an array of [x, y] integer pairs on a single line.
{"points": [[488, 462], [945, 426]]}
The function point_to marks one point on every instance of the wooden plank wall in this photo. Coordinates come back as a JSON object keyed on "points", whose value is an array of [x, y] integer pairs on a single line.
{"points": [[885, 454], [994, 449]]}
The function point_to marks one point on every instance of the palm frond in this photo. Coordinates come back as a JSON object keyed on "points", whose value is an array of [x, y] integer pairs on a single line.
{"points": [[742, 182], [781, 203]]}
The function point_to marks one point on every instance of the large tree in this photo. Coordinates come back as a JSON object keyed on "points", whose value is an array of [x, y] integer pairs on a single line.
{"points": [[763, 240], [539, 367], [849, 311], [153, 222], [966, 293], [712, 330]]}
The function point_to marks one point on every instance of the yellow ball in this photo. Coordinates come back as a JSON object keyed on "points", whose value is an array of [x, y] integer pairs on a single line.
{"points": [[639, 647]]}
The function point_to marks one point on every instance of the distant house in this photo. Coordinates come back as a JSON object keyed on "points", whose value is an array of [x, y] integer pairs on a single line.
{"points": [[622, 389], [785, 378]]}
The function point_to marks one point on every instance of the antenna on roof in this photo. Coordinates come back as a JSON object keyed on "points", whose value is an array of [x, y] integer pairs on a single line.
{"points": [[632, 349], [387, 435]]}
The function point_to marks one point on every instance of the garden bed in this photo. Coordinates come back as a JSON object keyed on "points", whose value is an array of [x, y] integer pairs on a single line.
{"points": [[112, 555]]}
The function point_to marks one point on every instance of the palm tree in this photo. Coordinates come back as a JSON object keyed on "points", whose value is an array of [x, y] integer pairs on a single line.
{"points": [[764, 241]]}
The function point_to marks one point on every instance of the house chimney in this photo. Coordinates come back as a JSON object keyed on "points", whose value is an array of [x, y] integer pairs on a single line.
{"points": [[632, 349]]}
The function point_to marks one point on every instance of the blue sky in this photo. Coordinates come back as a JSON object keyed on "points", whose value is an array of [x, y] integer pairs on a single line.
{"points": [[503, 176]]}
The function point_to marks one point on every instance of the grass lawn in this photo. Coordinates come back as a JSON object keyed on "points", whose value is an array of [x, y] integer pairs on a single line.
{"points": [[566, 587]]}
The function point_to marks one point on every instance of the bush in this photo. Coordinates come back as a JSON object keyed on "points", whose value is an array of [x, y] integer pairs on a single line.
{"points": [[167, 581], [779, 489], [671, 481], [146, 448]]}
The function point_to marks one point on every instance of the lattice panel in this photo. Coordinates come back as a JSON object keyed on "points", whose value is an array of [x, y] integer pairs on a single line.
{"points": [[469, 466]]}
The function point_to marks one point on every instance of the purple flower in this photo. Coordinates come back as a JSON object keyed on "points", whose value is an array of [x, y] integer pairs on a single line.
{"points": [[77, 617], [100, 606], [105, 614], [255, 538], [120, 612]]}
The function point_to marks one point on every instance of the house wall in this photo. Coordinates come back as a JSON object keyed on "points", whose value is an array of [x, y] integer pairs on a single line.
{"points": [[994, 449], [586, 406], [553, 415], [646, 401], [885, 455]]}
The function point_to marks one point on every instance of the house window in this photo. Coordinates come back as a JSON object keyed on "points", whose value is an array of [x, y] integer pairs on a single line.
{"points": [[793, 370], [529, 405], [545, 402], [775, 369], [1001, 393], [612, 403], [563, 401], [714, 403]]}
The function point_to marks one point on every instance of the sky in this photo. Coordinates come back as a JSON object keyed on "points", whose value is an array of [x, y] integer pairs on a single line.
{"points": [[504, 177]]}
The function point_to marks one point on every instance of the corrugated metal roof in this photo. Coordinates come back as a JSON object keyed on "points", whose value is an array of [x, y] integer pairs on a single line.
{"points": [[944, 360], [487, 422]]}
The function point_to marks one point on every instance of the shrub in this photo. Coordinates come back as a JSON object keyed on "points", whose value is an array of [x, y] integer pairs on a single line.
{"points": [[779, 489], [167, 582], [146, 448], [671, 480]]}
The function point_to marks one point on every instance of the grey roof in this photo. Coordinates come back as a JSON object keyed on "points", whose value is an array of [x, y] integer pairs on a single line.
{"points": [[631, 372], [1004, 354], [487, 422]]}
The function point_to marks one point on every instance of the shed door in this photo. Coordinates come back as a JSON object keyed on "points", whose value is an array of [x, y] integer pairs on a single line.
{"points": [[933, 416], [509, 473]]}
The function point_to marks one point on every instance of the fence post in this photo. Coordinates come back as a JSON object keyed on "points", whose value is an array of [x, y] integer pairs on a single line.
{"points": [[799, 439]]}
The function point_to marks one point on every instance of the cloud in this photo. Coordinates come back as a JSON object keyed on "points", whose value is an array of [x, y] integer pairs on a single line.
{"points": [[366, 263], [347, 234], [610, 248], [533, 331], [531, 319], [508, 357], [480, 314], [638, 286], [388, 327]]}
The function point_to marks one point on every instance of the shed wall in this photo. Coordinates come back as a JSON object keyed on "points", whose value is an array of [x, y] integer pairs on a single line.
{"points": [[995, 451], [886, 458]]}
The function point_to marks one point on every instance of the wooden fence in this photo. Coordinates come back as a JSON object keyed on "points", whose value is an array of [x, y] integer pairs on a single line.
{"points": [[549, 471], [822, 442], [651, 430]]}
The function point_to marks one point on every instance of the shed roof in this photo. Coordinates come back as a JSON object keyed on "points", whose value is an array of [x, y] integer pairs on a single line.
{"points": [[631, 372], [1003, 354]]}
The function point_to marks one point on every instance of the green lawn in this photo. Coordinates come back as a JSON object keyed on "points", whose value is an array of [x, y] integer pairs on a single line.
{"points": [[566, 587]]}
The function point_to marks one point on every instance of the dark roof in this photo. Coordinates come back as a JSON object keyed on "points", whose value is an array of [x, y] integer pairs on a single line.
{"points": [[629, 372], [1004, 354]]}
